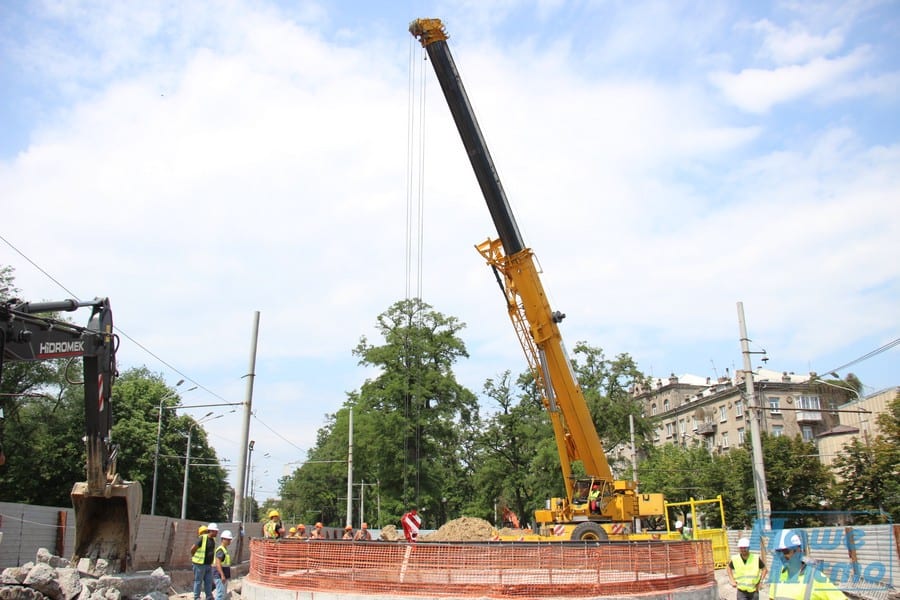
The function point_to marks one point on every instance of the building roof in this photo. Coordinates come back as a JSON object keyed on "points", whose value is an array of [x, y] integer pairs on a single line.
{"points": [[839, 430]]}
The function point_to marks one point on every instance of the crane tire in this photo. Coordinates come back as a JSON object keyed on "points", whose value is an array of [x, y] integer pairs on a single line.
{"points": [[589, 532], [19, 592]]}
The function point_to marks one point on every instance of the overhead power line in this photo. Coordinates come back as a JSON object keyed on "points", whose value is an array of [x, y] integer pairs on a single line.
{"points": [[866, 356]]}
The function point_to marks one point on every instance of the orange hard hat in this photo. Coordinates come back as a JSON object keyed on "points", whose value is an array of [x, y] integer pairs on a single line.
{"points": [[348, 527]]}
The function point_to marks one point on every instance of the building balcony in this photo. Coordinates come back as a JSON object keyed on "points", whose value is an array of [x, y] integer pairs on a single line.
{"points": [[706, 429], [809, 416]]}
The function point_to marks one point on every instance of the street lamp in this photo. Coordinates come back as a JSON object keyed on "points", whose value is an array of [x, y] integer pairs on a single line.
{"points": [[187, 459], [158, 435]]}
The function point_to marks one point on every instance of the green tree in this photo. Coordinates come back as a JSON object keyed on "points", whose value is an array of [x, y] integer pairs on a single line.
{"points": [[869, 471], [514, 443], [607, 386], [795, 479], [409, 420], [137, 397]]}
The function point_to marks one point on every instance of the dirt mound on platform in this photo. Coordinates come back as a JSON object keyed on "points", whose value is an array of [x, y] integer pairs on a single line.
{"points": [[389, 533], [464, 529]]}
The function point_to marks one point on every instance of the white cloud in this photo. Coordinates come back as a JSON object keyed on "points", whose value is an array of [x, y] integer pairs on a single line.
{"points": [[249, 163], [758, 90], [796, 45]]}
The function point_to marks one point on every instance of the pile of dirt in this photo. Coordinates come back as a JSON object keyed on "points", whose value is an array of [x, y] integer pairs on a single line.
{"points": [[389, 533], [464, 529]]}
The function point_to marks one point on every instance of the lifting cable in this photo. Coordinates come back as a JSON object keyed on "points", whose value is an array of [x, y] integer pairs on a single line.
{"points": [[415, 169]]}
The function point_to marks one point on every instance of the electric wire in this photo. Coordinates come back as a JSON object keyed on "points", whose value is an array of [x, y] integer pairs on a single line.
{"points": [[866, 356]]}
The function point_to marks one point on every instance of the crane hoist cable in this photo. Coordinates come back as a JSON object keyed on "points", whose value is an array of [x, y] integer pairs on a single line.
{"points": [[415, 198]]}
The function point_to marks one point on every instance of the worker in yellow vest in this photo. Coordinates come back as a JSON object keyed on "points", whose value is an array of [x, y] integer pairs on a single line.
{"points": [[202, 553], [800, 578], [273, 529], [222, 566], [745, 571]]}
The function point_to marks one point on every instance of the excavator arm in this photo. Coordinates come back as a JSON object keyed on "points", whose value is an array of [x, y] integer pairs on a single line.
{"points": [[107, 509]]}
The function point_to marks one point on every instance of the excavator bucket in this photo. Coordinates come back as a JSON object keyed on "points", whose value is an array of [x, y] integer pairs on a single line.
{"points": [[106, 525]]}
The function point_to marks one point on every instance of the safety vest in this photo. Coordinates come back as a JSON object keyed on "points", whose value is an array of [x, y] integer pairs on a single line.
{"points": [[199, 557], [270, 529], [810, 584], [227, 561], [746, 573]]}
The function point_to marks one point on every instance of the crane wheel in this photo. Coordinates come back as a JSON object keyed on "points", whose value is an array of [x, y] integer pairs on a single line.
{"points": [[589, 532]]}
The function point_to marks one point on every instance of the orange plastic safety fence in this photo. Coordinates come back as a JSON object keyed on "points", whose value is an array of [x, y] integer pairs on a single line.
{"points": [[490, 569]]}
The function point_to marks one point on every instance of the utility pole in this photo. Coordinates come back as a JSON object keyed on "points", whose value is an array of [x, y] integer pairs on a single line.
{"points": [[349, 522], [237, 512], [763, 508]]}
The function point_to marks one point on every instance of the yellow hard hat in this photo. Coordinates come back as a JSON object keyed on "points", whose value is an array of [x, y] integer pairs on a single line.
{"points": [[201, 530], [293, 530], [273, 513]]}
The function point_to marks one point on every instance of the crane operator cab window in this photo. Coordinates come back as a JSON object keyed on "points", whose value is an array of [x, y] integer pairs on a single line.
{"points": [[580, 491]]}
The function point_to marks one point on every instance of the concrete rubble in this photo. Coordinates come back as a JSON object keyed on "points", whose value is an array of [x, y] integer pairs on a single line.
{"points": [[53, 577]]}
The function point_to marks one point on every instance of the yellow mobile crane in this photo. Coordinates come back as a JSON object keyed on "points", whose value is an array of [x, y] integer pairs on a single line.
{"points": [[596, 506]]}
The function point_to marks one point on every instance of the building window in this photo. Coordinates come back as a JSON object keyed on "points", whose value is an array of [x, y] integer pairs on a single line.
{"points": [[808, 403], [682, 426], [741, 435], [653, 409], [739, 409], [666, 405], [711, 443], [725, 440], [774, 405], [808, 434], [723, 413], [669, 430], [694, 423], [777, 430]]}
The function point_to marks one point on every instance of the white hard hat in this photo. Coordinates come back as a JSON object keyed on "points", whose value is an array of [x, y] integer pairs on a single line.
{"points": [[213, 527], [788, 539], [226, 535], [744, 543], [678, 524]]}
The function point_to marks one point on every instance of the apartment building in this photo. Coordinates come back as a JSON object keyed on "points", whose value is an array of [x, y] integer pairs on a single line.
{"points": [[693, 411], [858, 419]]}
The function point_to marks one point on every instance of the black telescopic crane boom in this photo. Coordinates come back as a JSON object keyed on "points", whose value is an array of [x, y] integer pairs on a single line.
{"points": [[431, 33]]}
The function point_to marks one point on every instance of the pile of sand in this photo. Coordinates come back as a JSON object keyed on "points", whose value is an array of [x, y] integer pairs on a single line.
{"points": [[464, 529], [389, 533]]}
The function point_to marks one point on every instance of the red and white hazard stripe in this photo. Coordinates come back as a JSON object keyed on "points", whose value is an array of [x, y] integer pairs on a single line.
{"points": [[559, 530]]}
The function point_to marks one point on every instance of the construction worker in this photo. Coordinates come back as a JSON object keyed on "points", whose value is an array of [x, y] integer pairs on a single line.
{"points": [[317, 532], [222, 566], [273, 529], [800, 578], [593, 498], [411, 522], [679, 527], [363, 534], [745, 571], [201, 530], [292, 532], [202, 556], [348, 533]]}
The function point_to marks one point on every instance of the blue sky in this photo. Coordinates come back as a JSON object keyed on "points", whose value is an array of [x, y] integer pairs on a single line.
{"points": [[196, 162]]}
